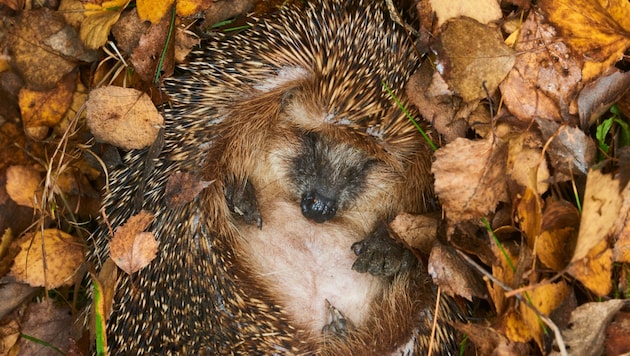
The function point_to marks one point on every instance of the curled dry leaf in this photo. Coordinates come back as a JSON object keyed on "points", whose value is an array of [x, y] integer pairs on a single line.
{"points": [[545, 75], [529, 212], [571, 152], [585, 336], [472, 58], [63, 253], [430, 94], [556, 242], [483, 11], [131, 248], [598, 31], [124, 117], [470, 177], [23, 185], [452, 274], [182, 188], [591, 263], [598, 96]]}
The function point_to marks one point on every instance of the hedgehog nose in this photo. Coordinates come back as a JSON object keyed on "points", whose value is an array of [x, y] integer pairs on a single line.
{"points": [[317, 207]]}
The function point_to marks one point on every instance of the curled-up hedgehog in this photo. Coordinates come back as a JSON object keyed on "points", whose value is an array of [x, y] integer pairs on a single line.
{"points": [[287, 250]]}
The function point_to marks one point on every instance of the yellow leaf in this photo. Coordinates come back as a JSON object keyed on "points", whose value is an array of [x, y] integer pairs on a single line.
{"points": [[153, 10], [599, 31], [595, 270], [46, 108], [188, 7], [100, 19], [545, 298]]}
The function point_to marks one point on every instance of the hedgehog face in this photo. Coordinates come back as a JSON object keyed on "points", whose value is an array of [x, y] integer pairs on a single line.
{"points": [[327, 175]]}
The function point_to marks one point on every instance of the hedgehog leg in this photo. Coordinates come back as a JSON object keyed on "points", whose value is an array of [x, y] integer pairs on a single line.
{"points": [[241, 198], [380, 255], [339, 326]]}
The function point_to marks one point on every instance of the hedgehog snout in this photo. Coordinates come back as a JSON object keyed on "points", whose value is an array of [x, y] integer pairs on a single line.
{"points": [[318, 207]]}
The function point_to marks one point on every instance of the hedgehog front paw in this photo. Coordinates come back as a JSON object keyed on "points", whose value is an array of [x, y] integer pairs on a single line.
{"points": [[241, 199], [380, 255], [339, 326]]}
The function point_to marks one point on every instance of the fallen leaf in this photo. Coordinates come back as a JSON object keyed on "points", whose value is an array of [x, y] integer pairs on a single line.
{"points": [[571, 152], [453, 275], [96, 27], [597, 30], [585, 335], [148, 55], [556, 243], [153, 10], [598, 96], [472, 58], [488, 341], [182, 188], [470, 177], [40, 65], [545, 298], [131, 248], [23, 185], [47, 108], [529, 213], [63, 253], [50, 323], [525, 162], [545, 76], [618, 335], [123, 117], [483, 11]]}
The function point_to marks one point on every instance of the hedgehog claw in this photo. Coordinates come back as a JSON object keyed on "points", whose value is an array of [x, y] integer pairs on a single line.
{"points": [[339, 325], [380, 255], [242, 201]]}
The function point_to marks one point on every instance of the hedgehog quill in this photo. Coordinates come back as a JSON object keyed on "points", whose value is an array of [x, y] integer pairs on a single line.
{"points": [[287, 250]]}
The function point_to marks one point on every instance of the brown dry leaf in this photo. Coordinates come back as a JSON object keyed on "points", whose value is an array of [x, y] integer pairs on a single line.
{"points": [[585, 336], [63, 253], [597, 30], [452, 274], [529, 212], [47, 108], [182, 188], [23, 185], [545, 298], [471, 55], [545, 75], [123, 117], [131, 248], [49, 323], [571, 152], [597, 97], [484, 11], [556, 243], [416, 230], [40, 65], [9, 335], [470, 177], [430, 94], [618, 335], [525, 163], [147, 56], [99, 21], [153, 10]]}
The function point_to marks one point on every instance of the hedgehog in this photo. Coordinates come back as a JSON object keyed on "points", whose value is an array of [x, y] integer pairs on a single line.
{"points": [[307, 159]]}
